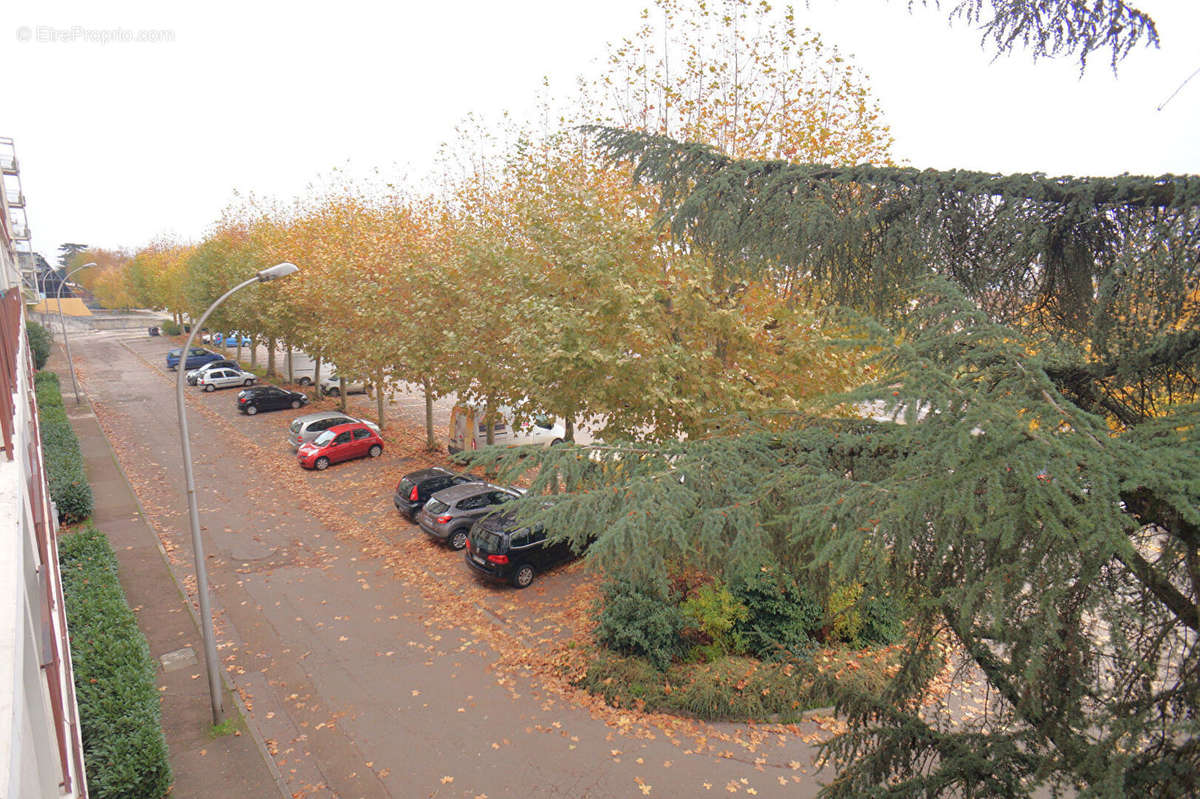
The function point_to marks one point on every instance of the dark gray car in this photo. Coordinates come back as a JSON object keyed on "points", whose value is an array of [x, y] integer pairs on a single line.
{"points": [[449, 514]]}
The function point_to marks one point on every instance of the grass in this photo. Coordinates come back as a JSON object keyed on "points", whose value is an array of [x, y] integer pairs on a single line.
{"points": [[732, 688], [233, 725]]}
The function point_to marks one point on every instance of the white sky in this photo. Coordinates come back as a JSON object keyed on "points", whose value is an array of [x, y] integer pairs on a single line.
{"points": [[121, 141]]}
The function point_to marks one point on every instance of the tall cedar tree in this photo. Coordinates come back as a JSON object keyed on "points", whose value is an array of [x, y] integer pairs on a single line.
{"points": [[1035, 493]]}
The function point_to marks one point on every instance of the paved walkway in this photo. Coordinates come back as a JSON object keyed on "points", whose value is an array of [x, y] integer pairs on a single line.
{"points": [[232, 765]]}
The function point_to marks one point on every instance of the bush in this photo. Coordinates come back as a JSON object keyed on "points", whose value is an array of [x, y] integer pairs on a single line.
{"points": [[639, 618], [40, 343], [882, 620], [714, 611], [845, 619], [125, 752], [171, 329], [782, 616], [64, 463]]}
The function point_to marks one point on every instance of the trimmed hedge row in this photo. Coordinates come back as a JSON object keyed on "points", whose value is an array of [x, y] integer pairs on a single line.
{"points": [[120, 718], [64, 463], [39, 343]]}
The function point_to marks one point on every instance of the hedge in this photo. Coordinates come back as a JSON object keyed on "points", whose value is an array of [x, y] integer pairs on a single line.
{"points": [[64, 463], [125, 752], [39, 343]]}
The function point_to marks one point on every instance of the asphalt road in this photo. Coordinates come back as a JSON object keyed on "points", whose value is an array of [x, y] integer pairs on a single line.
{"points": [[371, 661]]}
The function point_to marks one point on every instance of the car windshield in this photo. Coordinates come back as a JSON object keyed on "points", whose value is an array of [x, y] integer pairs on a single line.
{"points": [[324, 438]]}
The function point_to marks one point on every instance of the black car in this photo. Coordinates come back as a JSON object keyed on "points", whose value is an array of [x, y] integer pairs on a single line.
{"points": [[415, 488], [193, 375], [500, 548], [268, 398]]}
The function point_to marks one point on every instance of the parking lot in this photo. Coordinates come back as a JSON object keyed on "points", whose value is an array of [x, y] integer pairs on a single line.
{"points": [[372, 662]]}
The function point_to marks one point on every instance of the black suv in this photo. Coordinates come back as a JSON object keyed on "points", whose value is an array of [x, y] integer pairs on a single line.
{"points": [[500, 548], [268, 398], [415, 488]]}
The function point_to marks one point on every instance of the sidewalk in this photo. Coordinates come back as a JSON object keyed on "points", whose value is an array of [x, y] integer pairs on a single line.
{"points": [[202, 766]]}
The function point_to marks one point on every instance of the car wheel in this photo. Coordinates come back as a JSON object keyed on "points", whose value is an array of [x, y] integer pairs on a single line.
{"points": [[295, 403], [457, 539], [523, 576], [209, 387], [375, 451], [334, 392], [556, 442], [304, 381], [251, 410], [249, 381], [321, 464]]}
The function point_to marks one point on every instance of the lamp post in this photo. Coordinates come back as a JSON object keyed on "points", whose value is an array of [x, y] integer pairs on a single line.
{"points": [[63, 322], [210, 646]]}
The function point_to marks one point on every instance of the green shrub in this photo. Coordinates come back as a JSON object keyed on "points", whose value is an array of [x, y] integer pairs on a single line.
{"points": [[845, 620], [64, 463], [40, 343], [171, 329], [125, 753], [782, 617], [639, 618], [882, 620], [715, 612]]}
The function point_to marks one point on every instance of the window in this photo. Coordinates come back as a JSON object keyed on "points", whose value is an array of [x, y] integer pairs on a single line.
{"points": [[474, 503], [361, 433], [342, 438], [519, 540], [500, 497]]}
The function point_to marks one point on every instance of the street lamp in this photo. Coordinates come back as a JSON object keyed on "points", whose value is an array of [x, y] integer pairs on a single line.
{"points": [[63, 322], [210, 647]]}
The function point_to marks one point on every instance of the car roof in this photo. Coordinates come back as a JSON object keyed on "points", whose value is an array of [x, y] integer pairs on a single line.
{"points": [[265, 389], [341, 428], [464, 490], [425, 474], [317, 416]]}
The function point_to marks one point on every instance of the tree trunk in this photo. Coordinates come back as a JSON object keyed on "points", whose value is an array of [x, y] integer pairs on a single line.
{"points": [[317, 376], [342, 393], [253, 351], [291, 377], [569, 423], [430, 442], [271, 358], [379, 396]]}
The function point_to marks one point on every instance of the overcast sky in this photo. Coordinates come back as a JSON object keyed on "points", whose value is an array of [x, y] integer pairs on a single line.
{"points": [[121, 141]]}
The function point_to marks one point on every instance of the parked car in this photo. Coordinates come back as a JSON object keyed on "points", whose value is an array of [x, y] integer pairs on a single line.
{"points": [[331, 385], [415, 488], [500, 548], [469, 431], [307, 427], [232, 338], [213, 379], [302, 368], [268, 398], [449, 514], [197, 357], [340, 443], [193, 375]]}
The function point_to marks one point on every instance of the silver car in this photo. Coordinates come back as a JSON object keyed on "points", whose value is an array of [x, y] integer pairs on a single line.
{"points": [[449, 514], [304, 429], [225, 378]]}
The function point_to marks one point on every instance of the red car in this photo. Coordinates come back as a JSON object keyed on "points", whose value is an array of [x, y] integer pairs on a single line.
{"points": [[342, 442]]}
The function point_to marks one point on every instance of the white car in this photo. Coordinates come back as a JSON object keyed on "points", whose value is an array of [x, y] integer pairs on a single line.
{"points": [[468, 431], [331, 385], [225, 378]]}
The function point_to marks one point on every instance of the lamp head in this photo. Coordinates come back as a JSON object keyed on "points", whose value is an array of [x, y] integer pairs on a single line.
{"points": [[277, 271]]}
